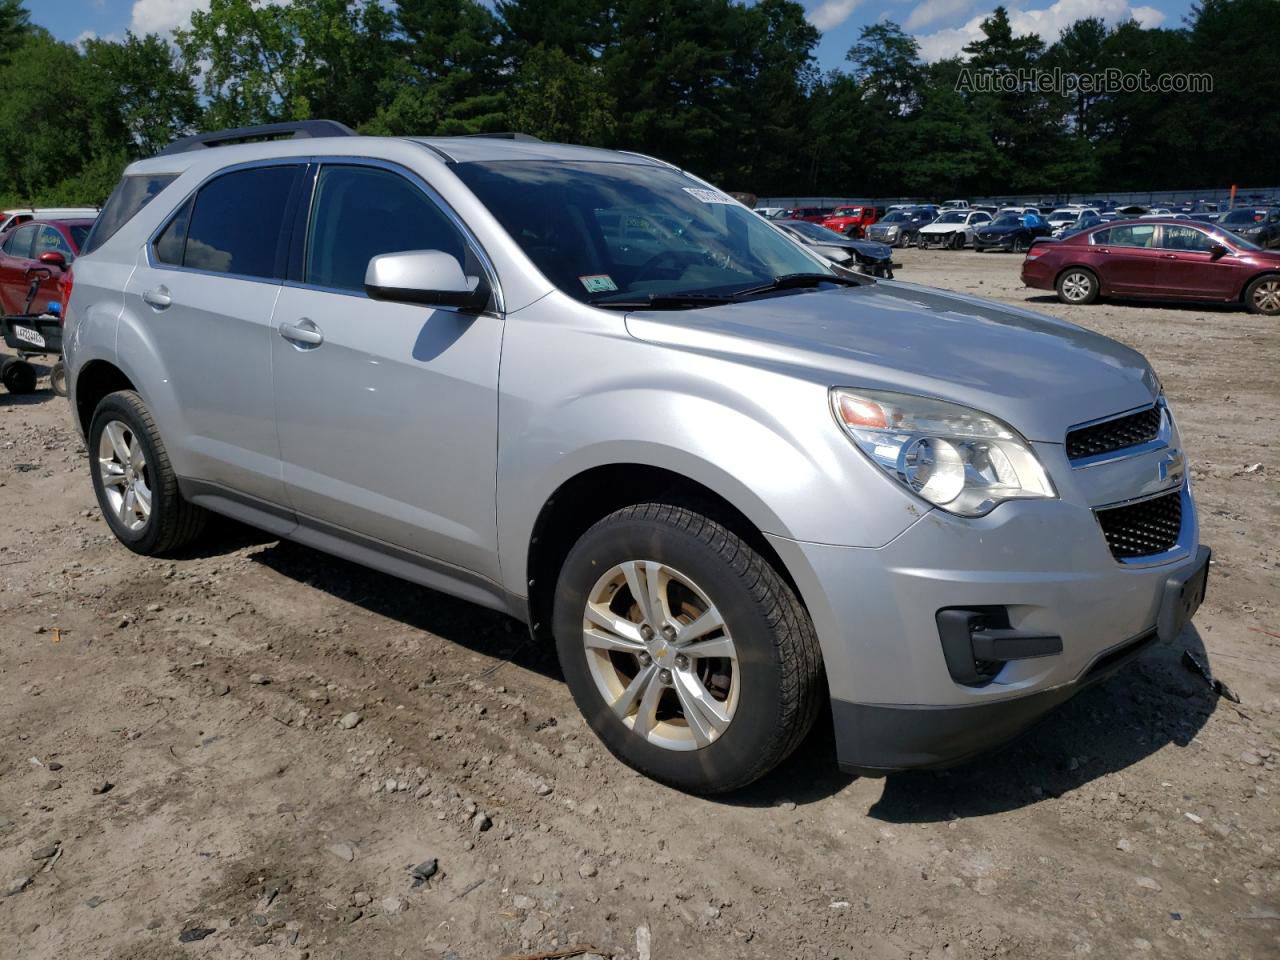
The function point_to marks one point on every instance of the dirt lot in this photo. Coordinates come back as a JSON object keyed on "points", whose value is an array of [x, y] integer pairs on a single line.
{"points": [[207, 691]]}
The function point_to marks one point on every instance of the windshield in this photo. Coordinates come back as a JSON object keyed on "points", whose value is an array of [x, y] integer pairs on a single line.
{"points": [[812, 231], [957, 217], [1007, 220], [1233, 240], [1242, 216], [79, 232], [599, 231], [849, 212], [897, 216]]}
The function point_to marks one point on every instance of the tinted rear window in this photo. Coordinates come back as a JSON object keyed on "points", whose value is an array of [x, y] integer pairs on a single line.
{"points": [[236, 225], [130, 196]]}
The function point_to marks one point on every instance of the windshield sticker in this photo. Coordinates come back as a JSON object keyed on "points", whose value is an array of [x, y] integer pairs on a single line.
{"points": [[598, 283], [709, 196]]}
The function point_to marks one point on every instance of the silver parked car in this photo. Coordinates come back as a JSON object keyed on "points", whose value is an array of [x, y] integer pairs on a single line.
{"points": [[585, 388]]}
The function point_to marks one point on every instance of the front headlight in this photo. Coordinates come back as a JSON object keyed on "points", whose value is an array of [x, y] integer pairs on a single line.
{"points": [[956, 458]]}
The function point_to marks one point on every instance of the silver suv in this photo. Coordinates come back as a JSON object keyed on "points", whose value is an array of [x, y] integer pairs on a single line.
{"points": [[727, 480]]}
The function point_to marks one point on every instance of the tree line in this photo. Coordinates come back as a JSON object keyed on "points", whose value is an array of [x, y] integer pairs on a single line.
{"points": [[728, 89]]}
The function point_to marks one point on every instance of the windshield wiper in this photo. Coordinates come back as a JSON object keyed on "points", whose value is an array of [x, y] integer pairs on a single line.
{"points": [[667, 301], [796, 281]]}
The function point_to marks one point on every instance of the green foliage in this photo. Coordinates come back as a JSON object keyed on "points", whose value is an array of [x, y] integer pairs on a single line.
{"points": [[728, 89]]}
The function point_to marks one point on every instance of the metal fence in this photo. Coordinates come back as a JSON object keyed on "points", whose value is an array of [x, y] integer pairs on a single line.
{"points": [[1149, 198]]}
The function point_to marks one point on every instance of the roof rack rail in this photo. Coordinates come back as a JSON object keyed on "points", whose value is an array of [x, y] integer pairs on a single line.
{"points": [[296, 130], [504, 136]]}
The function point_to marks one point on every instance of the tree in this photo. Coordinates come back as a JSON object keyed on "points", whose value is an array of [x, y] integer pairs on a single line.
{"points": [[448, 76], [556, 98], [886, 64], [949, 147], [14, 23], [142, 94]]}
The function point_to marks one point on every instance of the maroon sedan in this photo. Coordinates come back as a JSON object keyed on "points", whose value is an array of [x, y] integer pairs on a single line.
{"points": [[48, 245], [1157, 259]]}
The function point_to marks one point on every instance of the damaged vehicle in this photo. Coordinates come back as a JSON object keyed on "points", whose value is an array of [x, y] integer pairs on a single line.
{"points": [[865, 256]]}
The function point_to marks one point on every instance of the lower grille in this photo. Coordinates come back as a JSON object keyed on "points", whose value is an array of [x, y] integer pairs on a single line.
{"points": [[1144, 528], [1117, 434]]}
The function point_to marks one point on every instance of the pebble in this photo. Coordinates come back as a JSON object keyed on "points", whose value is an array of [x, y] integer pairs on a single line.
{"points": [[393, 905], [54, 765], [45, 852], [522, 902], [531, 927], [1148, 884], [424, 871], [481, 822], [1251, 758], [1193, 818], [192, 934], [350, 721], [1124, 846], [543, 790], [588, 870], [103, 786], [343, 851], [644, 942], [787, 805], [361, 899], [17, 886], [260, 679]]}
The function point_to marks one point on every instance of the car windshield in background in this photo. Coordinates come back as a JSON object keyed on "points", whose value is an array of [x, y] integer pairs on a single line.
{"points": [[1233, 240], [956, 217], [1007, 220], [78, 234], [897, 216], [1244, 216], [812, 231], [617, 231]]}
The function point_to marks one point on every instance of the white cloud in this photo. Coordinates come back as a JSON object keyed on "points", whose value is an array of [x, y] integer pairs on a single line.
{"points": [[85, 35], [832, 13], [1048, 22], [163, 16], [933, 10]]}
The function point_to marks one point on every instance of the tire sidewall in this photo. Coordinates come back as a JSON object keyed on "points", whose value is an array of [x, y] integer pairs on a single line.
{"points": [[730, 758], [114, 407], [1251, 290]]}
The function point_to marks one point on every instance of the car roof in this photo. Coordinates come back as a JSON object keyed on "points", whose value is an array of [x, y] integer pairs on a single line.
{"points": [[65, 221]]}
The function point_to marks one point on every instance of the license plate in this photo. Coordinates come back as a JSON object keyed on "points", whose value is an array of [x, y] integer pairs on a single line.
{"points": [[1183, 594], [27, 335]]}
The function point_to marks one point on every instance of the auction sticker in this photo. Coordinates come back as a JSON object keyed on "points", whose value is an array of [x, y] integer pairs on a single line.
{"points": [[709, 196], [598, 283]]}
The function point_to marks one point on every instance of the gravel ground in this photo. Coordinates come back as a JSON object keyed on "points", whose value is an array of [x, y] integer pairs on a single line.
{"points": [[244, 752]]}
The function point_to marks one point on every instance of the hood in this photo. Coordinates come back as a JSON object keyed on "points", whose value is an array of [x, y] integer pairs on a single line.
{"points": [[943, 227], [1040, 374], [1002, 229]]}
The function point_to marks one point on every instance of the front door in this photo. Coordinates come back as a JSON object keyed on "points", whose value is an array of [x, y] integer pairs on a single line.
{"points": [[1191, 269], [387, 412]]}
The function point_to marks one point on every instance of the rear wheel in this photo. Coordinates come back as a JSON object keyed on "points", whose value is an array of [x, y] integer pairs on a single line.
{"points": [[135, 483], [58, 378], [688, 655], [1019, 245], [18, 376], [1077, 286], [1263, 296]]}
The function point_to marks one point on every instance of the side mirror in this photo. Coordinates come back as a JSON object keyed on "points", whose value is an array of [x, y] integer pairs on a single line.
{"points": [[52, 258], [1218, 251], [430, 277]]}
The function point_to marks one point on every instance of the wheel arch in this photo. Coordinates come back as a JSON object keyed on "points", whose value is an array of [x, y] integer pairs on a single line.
{"points": [[593, 494], [1249, 280], [95, 380], [1078, 266]]}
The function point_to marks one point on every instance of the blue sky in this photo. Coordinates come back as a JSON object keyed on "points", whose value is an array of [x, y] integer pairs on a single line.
{"points": [[942, 27]]}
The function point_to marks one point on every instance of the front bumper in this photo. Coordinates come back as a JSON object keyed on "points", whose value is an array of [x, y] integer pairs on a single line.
{"points": [[894, 701]]}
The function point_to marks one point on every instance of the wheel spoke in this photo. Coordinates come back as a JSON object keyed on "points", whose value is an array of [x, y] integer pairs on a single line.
{"points": [[142, 494], [626, 633], [708, 621], [639, 683], [705, 714], [115, 434], [112, 474], [647, 712], [638, 583], [719, 647], [127, 508], [136, 458]]}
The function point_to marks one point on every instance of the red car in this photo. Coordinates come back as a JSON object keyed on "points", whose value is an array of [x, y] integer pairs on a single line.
{"points": [[1160, 259], [46, 244], [807, 214], [851, 221]]}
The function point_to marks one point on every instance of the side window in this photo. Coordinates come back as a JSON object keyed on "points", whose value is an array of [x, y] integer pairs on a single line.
{"points": [[130, 196], [1136, 235], [1186, 238], [21, 241], [50, 240], [171, 245], [1101, 236], [235, 224], [361, 212]]}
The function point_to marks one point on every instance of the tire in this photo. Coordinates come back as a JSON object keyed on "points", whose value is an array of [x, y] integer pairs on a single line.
{"points": [[1019, 245], [957, 241], [978, 249], [1077, 286], [170, 522], [767, 695], [58, 378], [18, 376], [1263, 295]]}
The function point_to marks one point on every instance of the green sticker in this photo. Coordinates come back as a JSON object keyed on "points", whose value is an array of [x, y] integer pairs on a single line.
{"points": [[598, 283]]}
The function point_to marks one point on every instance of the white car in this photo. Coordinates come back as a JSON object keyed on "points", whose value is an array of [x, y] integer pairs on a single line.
{"points": [[954, 229], [769, 213], [1064, 218], [11, 218], [956, 205]]}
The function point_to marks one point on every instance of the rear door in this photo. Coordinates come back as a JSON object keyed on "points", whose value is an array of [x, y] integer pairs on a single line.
{"points": [[388, 412], [1129, 261], [205, 288], [15, 264]]}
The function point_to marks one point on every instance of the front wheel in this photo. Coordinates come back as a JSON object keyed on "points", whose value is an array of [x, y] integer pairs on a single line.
{"points": [[135, 483], [18, 376], [58, 378], [1263, 296], [688, 655], [1019, 245]]}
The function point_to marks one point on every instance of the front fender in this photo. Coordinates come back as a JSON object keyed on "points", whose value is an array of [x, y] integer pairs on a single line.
{"points": [[579, 396]]}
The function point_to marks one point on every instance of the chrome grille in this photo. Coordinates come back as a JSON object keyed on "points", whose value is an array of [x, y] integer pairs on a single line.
{"points": [[1118, 434], [1144, 528]]}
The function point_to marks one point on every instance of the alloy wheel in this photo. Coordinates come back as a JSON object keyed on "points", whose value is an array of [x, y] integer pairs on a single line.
{"points": [[1076, 287], [1266, 296], [122, 464], [661, 655]]}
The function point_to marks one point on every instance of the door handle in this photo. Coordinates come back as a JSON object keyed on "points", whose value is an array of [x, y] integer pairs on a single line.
{"points": [[304, 333], [158, 297], [1103, 250], [1168, 256]]}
